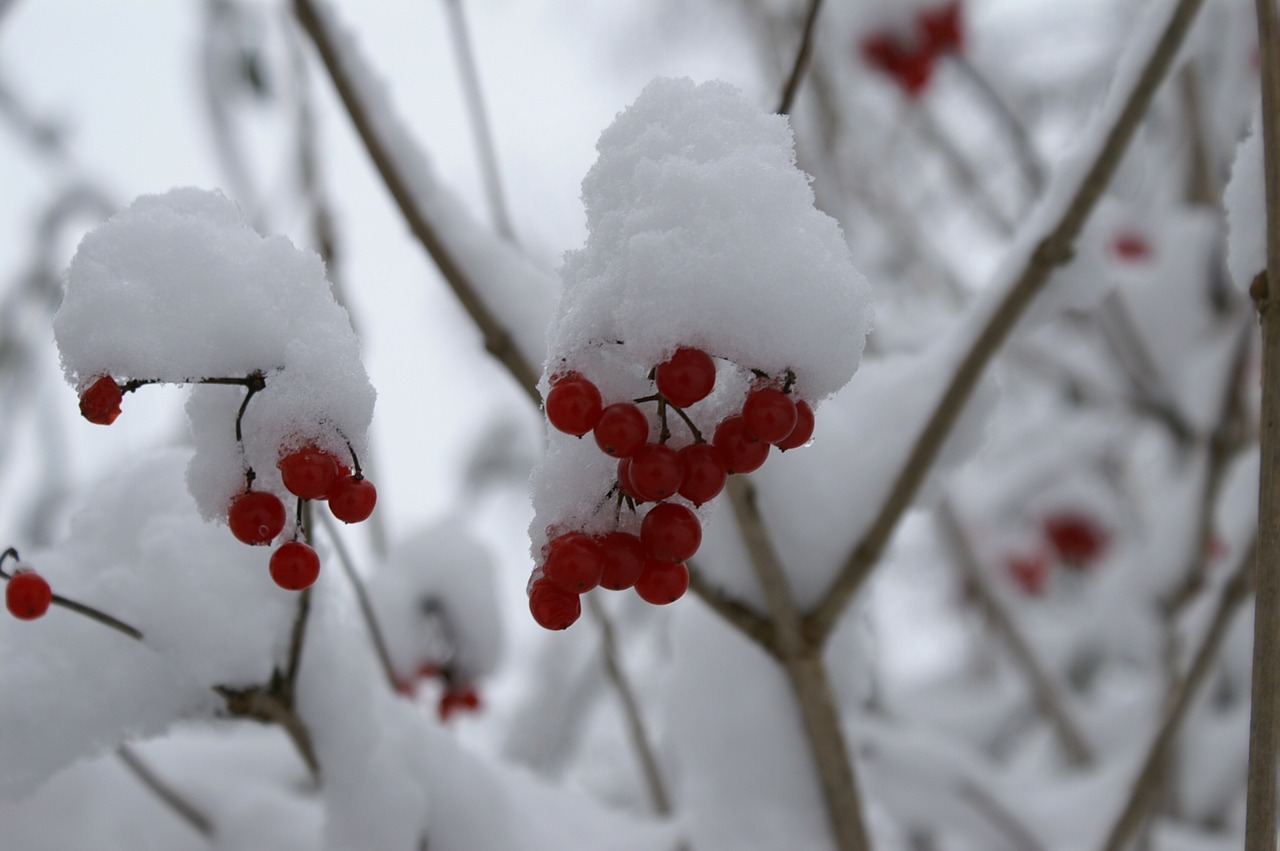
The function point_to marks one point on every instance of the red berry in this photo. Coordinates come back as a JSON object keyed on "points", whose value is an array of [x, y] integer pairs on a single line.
{"points": [[623, 558], [623, 429], [740, 451], [1076, 537], [551, 607], [942, 27], [915, 70], [703, 472], [802, 432], [352, 498], [670, 532], [295, 566], [27, 595], [1030, 573], [655, 472], [624, 480], [1131, 246], [686, 377], [881, 51], [458, 698], [573, 405], [911, 68], [769, 414], [256, 517], [308, 472], [573, 562], [100, 402], [663, 582]]}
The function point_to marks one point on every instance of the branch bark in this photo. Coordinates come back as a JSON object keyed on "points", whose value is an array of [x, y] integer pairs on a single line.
{"points": [[1053, 251], [362, 598], [1260, 820], [803, 54], [183, 808]]}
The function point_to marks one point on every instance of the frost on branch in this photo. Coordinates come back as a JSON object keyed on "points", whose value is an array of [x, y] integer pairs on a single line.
{"points": [[1245, 201], [178, 288], [702, 234]]}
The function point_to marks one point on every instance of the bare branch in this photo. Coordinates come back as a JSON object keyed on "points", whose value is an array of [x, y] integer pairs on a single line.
{"points": [[1052, 252], [755, 626], [1028, 159], [803, 54], [362, 598], [184, 809]]}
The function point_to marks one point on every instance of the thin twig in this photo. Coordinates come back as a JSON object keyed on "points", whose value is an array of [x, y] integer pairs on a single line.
{"points": [[497, 339], [965, 173], [79, 608], [1043, 690], [1028, 159], [1150, 775], [183, 808], [640, 741], [807, 674], [1001, 817], [479, 120], [801, 64], [1053, 251], [1260, 818], [362, 598]]}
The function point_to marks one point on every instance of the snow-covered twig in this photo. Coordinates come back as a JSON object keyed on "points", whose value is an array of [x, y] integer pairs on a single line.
{"points": [[1052, 251], [184, 809], [803, 53], [479, 120], [1145, 784], [639, 735], [1043, 690], [1260, 821], [362, 598], [1028, 159], [807, 674]]}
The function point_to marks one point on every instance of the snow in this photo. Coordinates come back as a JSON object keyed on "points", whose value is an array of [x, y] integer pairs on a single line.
{"points": [[1245, 200]]}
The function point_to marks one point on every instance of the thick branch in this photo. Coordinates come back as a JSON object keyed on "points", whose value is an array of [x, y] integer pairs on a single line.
{"points": [[266, 706], [1260, 820], [1149, 777], [803, 663], [1043, 690], [497, 339], [1053, 250]]}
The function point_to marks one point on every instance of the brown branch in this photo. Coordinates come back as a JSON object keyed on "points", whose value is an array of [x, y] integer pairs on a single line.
{"points": [[497, 339], [1260, 818], [1000, 816], [1151, 774], [71, 605], [183, 808], [1052, 251], [640, 741], [807, 675], [740, 616], [268, 707], [1028, 159], [1045, 694], [803, 55], [362, 599]]}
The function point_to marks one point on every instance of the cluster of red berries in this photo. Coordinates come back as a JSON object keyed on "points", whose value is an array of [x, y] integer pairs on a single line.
{"points": [[1075, 539], [910, 62], [650, 470], [458, 695], [257, 517]]}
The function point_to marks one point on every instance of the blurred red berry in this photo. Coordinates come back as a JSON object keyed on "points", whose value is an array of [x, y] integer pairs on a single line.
{"points": [[1078, 540], [100, 401], [28, 595]]}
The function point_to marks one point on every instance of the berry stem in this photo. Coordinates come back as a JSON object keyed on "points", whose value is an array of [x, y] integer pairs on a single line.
{"points": [[665, 434], [697, 434], [356, 472], [79, 608], [254, 382]]}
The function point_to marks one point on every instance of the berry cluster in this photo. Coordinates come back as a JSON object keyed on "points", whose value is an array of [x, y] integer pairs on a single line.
{"points": [[258, 517], [1077, 541], [910, 62], [652, 469], [458, 695]]}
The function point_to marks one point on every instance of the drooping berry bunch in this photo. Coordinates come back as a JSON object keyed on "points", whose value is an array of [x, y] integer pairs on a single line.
{"points": [[459, 693], [258, 517], [910, 61], [670, 470]]}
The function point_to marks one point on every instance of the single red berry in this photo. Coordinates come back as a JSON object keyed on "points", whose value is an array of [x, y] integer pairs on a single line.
{"points": [[624, 480], [352, 498], [703, 473], [256, 517], [429, 668], [573, 405], [623, 558], [655, 472], [915, 69], [881, 51], [670, 532], [28, 595], [100, 401], [662, 582], [1030, 573], [623, 429], [1131, 246], [802, 432], [740, 451], [308, 472], [551, 607], [573, 562], [769, 414], [458, 698], [1077, 538], [687, 377], [942, 27], [295, 566]]}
